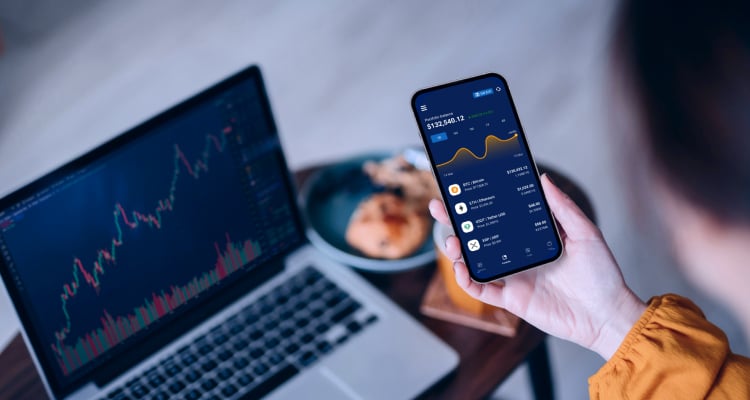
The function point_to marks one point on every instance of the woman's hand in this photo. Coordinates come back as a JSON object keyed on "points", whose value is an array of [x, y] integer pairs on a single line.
{"points": [[581, 297]]}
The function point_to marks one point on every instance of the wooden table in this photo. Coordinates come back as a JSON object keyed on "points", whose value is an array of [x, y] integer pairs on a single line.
{"points": [[486, 359]]}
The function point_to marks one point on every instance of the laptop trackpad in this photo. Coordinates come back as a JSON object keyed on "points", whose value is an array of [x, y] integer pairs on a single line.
{"points": [[318, 383]]}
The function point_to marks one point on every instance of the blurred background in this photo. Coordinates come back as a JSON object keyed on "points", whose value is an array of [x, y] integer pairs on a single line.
{"points": [[340, 75]]}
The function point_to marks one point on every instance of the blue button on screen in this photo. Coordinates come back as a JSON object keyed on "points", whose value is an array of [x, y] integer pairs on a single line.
{"points": [[439, 137], [482, 93]]}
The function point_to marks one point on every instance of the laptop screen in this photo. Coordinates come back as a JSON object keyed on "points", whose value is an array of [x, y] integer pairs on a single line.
{"points": [[101, 254]]}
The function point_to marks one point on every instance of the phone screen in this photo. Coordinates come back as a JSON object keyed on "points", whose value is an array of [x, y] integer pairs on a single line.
{"points": [[487, 176]]}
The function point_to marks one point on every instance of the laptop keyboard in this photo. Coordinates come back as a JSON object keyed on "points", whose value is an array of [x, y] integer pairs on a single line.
{"points": [[261, 347]]}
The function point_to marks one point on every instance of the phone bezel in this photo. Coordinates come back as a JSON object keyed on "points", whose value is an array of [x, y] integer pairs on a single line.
{"points": [[530, 157]]}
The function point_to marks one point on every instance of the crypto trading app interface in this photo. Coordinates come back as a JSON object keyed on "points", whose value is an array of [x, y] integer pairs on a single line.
{"points": [[487, 177], [113, 250]]}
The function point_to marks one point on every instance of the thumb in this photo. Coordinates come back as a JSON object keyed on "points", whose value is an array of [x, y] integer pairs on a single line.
{"points": [[572, 220]]}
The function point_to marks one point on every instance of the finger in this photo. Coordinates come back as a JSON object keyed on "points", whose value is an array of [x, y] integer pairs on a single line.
{"points": [[572, 220], [453, 248], [437, 209], [485, 292]]}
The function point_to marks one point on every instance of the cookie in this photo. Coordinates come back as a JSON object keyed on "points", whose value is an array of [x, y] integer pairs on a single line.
{"points": [[387, 226], [415, 184]]}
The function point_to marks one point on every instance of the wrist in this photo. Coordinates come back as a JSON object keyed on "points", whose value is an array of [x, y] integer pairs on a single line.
{"points": [[626, 312]]}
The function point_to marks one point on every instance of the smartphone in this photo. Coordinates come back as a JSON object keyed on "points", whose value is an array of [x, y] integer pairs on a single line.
{"points": [[487, 176]]}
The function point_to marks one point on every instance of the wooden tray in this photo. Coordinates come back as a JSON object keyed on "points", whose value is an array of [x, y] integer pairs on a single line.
{"points": [[437, 304]]}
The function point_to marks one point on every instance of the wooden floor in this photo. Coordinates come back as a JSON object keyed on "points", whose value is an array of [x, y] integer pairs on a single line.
{"points": [[340, 75]]}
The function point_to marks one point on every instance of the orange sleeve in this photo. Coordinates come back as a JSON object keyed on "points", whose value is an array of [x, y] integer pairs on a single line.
{"points": [[673, 352]]}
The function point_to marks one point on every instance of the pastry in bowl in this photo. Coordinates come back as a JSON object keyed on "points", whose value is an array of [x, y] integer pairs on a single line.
{"points": [[416, 185], [388, 226]]}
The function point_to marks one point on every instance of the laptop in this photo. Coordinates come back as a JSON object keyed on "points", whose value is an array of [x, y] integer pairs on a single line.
{"points": [[171, 262]]}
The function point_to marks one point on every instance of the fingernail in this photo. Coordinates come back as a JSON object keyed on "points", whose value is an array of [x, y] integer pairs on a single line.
{"points": [[550, 178]]}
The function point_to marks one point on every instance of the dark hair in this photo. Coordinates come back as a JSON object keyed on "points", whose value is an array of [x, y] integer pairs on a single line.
{"points": [[686, 67]]}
